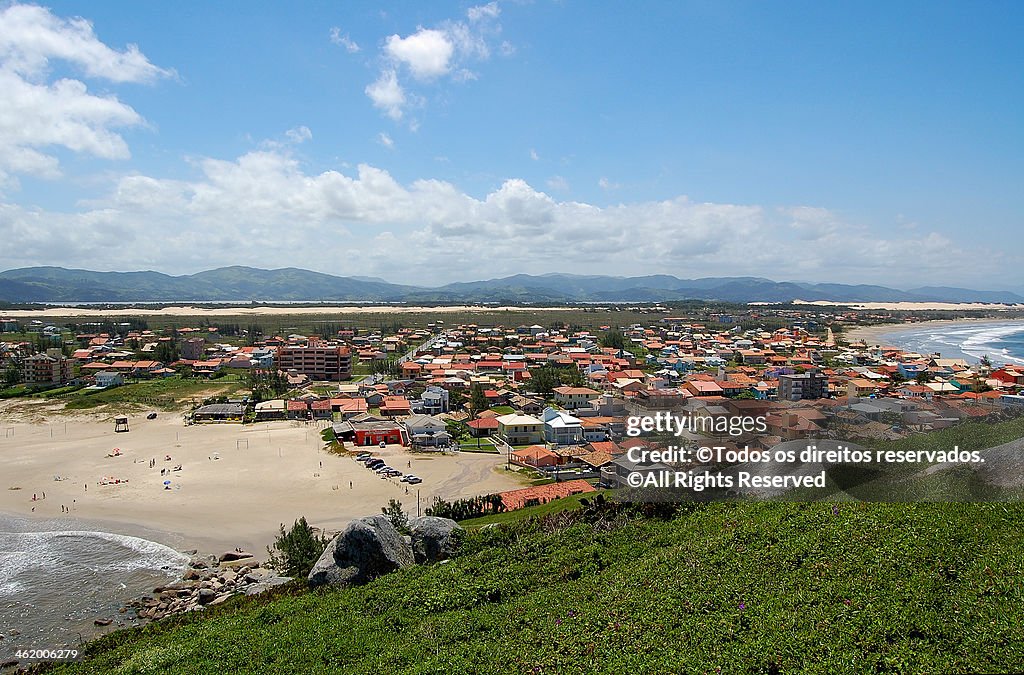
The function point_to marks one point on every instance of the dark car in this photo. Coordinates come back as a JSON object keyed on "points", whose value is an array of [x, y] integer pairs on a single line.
{"points": [[151, 416]]}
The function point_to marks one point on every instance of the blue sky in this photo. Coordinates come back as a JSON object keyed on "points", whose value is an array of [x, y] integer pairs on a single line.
{"points": [[436, 142]]}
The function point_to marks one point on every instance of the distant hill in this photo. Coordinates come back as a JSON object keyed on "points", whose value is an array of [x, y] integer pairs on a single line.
{"points": [[233, 284]]}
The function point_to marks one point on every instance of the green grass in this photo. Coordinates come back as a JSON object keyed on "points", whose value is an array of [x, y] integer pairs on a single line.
{"points": [[167, 393], [508, 517], [478, 445], [503, 409], [753, 587]]}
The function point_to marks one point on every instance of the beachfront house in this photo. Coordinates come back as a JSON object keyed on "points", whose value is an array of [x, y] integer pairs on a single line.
{"points": [[520, 429], [561, 428], [427, 431]]}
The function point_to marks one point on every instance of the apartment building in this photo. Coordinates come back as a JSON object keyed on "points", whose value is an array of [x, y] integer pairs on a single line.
{"points": [[317, 361]]}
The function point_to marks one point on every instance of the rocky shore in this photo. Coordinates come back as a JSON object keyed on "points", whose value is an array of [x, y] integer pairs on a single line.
{"points": [[207, 581]]}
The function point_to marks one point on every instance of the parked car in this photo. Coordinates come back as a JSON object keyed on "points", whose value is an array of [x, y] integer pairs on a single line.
{"points": [[383, 444], [151, 416], [411, 479], [374, 463]]}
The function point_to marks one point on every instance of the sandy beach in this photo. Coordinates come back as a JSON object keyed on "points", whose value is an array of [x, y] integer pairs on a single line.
{"points": [[875, 335], [236, 484], [912, 306], [244, 310]]}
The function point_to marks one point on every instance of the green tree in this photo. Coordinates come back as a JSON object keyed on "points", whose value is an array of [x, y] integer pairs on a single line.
{"points": [[457, 430], [543, 380], [477, 399], [12, 374], [397, 515], [296, 551], [613, 338], [166, 352]]}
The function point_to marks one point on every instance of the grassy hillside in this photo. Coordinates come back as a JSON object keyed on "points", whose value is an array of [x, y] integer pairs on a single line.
{"points": [[755, 587]]}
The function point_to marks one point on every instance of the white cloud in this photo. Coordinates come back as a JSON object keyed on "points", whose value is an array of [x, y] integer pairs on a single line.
{"points": [[299, 134], [36, 113], [606, 184], [385, 140], [343, 40], [430, 56], [387, 94], [533, 155], [437, 233], [558, 184], [484, 12], [427, 52], [31, 36]]}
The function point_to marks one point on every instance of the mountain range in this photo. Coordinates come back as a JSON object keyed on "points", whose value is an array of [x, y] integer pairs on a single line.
{"points": [[236, 284]]}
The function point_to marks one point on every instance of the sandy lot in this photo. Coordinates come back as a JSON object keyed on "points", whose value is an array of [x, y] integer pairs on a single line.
{"points": [[267, 474], [187, 310]]}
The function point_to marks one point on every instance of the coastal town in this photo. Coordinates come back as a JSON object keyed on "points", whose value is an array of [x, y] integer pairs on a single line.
{"points": [[551, 401]]}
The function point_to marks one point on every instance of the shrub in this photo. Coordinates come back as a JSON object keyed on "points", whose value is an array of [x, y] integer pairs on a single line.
{"points": [[297, 550]]}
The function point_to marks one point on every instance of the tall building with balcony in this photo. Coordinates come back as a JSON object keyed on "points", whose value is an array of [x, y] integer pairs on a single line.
{"points": [[809, 385], [317, 361], [45, 369]]}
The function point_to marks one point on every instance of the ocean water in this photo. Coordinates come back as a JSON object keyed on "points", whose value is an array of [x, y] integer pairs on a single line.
{"points": [[1002, 342], [55, 581]]}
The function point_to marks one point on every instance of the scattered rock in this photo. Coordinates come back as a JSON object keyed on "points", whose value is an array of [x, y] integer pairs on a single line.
{"points": [[103, 622], [206, 595], [434, 538], [229, 556], [366, 549]]}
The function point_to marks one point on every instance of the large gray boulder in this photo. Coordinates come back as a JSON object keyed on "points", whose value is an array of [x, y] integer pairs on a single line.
{"points": [[366, 549], [434, 538]]}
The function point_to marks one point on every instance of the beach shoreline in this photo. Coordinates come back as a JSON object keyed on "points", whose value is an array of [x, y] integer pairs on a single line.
{"points": [[873, 333], [237, 484]]}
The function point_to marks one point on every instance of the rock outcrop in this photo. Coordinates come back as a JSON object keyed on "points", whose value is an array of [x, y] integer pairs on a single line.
{"points": [[434, 539], [366, 549]]}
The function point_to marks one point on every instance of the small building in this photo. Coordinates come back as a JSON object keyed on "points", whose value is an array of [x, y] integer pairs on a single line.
{"points": [[271, 410], [376, 432], [108, 378], [218, 412], [535, 457]]}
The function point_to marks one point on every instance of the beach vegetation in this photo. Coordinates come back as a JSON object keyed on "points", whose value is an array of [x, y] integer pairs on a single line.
{"points": [[296, 551], [397, 515]]}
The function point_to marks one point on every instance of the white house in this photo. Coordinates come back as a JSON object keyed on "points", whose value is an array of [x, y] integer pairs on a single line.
{"points": [[562, 428]]}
